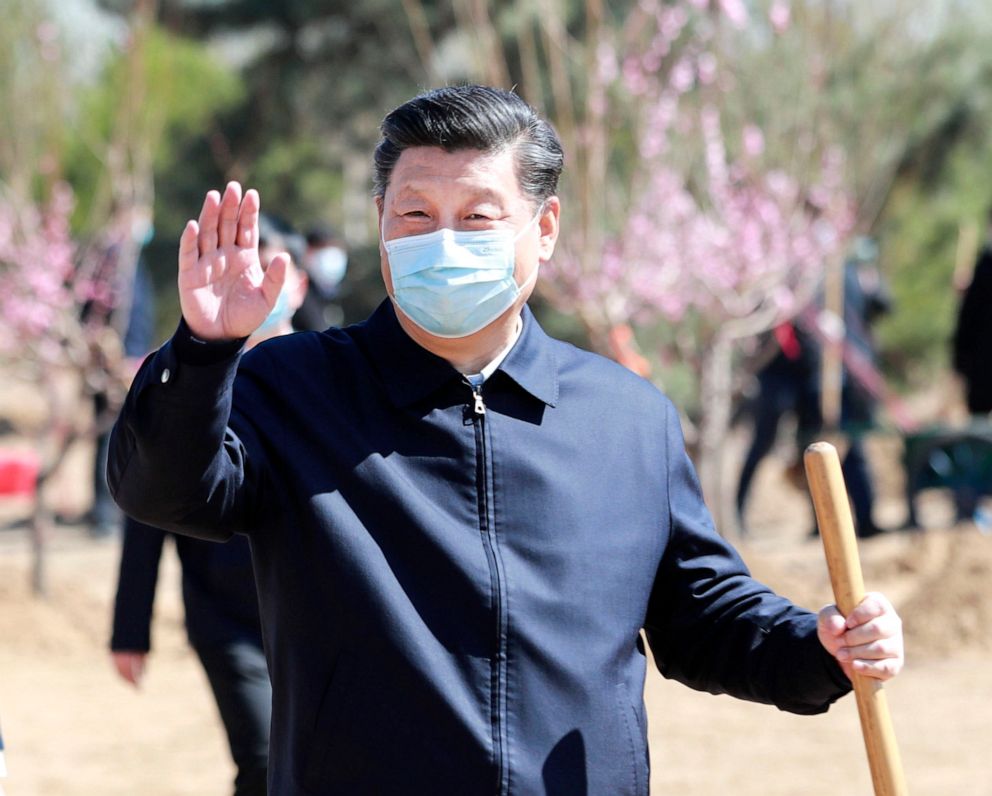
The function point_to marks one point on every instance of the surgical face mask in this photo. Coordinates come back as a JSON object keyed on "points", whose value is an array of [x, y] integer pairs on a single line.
{"points": [[281, 312], [327, 267], [454, 283]]}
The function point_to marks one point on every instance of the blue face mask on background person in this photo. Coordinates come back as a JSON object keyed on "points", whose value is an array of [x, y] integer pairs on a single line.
{"points": [[327, 267], [454, 283], [280, 312]]}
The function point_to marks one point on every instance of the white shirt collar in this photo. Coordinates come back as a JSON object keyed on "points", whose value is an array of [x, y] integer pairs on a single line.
{"points": [[479, 378]]}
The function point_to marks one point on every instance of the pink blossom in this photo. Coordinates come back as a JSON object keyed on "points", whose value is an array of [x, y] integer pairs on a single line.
{"points": [[683, 76], [671, 22], [735, 11], [706, 68], [606, 62], [753, 141], [780, 15], [634, 79]]}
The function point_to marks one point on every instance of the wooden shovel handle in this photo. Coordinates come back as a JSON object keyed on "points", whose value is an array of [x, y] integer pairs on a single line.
{"points": [[833, 515]]}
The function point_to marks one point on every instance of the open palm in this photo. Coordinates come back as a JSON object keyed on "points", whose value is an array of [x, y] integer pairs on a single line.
{"points": [[225, 291]]}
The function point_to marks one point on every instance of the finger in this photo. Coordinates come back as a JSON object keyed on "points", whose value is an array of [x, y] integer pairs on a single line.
{"points": [[871, 607], [884, 669], [188, 246], [138, 670], [883, 649], [248, 220], [122, 667], [275, 277], [124, 663], [831, 621], [885, 626], [208, 222], [227, 227]]}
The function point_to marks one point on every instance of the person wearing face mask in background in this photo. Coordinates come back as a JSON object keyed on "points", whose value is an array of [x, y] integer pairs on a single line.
{"points": [[460, 525], [218, 587], [325, 262]]}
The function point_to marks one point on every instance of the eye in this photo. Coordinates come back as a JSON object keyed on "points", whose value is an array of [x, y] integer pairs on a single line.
{"points": [[414, 214]]}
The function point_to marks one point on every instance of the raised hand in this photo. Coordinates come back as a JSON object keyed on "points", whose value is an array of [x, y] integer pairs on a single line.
{"points": [[225, 291]]}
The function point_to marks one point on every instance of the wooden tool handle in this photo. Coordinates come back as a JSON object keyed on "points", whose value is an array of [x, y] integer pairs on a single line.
{"points": [[833, 515]]}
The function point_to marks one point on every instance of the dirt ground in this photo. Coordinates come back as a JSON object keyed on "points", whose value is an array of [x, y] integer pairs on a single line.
{"points": [[71, 727]]}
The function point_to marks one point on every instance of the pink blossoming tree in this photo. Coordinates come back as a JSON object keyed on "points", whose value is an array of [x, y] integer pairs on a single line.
{"points": [[61, 299], [705, 232]]}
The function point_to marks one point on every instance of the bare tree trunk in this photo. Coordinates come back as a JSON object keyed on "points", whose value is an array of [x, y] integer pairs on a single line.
{"points": [[832, 367], [715, 399], [41, 534]]}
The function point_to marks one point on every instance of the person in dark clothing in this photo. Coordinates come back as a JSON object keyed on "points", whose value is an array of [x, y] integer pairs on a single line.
{"points": [[791, 382], [459, 525], [219, 595], [866, 299], [972, 345], [788, 383], [222, 623], [104, 517]]}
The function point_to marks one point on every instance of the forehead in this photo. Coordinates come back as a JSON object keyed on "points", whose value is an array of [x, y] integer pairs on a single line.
{"points": [[432, 170]]}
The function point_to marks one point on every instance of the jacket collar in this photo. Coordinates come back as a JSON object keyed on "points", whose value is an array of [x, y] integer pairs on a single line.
{"points": [[411, 372]]}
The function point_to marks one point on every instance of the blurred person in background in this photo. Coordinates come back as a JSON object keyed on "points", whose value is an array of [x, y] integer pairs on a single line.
{"points": [[129, 308], [788, 384], [326, 263], [866, 299], [219, 595], [972, 344], [791, 383]]}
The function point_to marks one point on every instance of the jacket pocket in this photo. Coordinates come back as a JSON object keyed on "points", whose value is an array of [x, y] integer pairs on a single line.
{"points": [[636, 740], [325, 752]]}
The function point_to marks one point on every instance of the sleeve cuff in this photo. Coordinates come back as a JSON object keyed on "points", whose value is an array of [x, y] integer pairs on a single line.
{"points": [[193, 351]]}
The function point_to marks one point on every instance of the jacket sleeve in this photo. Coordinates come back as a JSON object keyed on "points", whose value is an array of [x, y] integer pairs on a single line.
{"points": [[173, 461], [136, 581], [713, 627]]}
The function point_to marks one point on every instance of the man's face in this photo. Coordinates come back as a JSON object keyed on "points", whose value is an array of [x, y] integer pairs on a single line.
{"points": [[430, 189]]}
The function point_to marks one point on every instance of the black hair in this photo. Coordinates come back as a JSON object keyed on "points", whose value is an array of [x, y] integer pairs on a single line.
{"points": [[280, 234], [473, 117], [320, 235]]}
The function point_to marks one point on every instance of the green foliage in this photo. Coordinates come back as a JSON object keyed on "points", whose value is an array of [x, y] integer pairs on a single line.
{"points": [[32, 97], [942, 190], [176, 93], [297, 181], [921, 231]]}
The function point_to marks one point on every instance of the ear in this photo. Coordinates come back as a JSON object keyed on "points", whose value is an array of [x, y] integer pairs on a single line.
{"points": [[548, 227]]}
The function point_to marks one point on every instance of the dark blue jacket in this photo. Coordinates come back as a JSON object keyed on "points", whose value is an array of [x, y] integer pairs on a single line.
{"points": [[452, 596]]}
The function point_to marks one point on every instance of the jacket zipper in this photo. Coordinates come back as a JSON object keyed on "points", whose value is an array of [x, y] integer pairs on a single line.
{"points": [[498, 676]]}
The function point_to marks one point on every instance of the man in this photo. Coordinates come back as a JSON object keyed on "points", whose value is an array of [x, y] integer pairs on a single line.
{"points": [[219, 593], [459, 526]]}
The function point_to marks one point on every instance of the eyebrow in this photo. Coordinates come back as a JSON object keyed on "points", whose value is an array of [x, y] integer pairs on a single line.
{"points": [[481, 195]]}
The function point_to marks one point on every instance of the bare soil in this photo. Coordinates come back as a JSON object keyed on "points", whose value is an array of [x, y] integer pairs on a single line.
{"points": [[72, 728]]}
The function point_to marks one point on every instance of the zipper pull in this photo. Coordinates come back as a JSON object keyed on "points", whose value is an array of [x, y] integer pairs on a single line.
{"points": [[480, 407]]}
